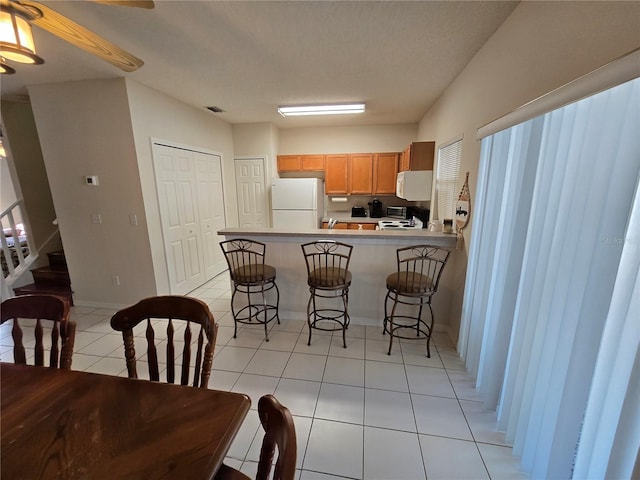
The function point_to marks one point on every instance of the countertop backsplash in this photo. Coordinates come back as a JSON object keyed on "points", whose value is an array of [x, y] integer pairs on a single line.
{"points": [[343, 203]]}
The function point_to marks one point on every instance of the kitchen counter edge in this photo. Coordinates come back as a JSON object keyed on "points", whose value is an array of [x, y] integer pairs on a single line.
{"points": [[437, 239]]}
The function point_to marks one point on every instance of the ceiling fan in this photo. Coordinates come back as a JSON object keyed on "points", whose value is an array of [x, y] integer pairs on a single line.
{"points": [[19, 15]]}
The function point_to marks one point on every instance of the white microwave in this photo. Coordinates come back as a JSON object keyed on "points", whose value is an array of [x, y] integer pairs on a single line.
{"points": [[414, 185]]}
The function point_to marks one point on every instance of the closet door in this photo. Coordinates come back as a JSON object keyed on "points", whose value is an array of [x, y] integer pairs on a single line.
{"points": [[179, 216], [211, 207]]}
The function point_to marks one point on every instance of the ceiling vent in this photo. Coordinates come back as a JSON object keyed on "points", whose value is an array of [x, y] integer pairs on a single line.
{"points": [[215, 109]]}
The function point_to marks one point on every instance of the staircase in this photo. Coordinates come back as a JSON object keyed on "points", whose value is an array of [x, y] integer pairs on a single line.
{"points": [[53, 279]]}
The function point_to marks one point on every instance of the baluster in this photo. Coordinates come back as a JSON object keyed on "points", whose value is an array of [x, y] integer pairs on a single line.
{"points": [[171, 368]]}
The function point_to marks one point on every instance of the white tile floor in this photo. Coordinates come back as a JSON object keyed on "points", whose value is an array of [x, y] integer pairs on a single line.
{"points": [[359, 413]]}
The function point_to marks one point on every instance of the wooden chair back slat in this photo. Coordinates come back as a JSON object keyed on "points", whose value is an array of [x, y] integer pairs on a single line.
{"points": [[199, 355], [171, 351], [54, 355], [152, 353], [186, 355], [39, 348], [19, 353], [130, 353], [41, 308], [169, 309]]}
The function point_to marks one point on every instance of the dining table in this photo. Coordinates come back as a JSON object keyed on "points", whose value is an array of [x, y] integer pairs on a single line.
{"points": [[66, 424]]}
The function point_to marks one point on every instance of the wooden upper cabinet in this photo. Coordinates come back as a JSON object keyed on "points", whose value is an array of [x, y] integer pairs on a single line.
{"points": [[300, 163], [418, 156], [361, 174], [385, 172], [312, 163], [336, 174], [289, 163]]}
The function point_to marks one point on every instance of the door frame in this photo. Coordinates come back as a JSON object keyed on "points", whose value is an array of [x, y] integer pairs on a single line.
{"points": [[153, 141], [267, 185]]}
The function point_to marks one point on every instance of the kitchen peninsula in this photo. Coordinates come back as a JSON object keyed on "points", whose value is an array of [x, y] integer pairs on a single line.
{"points": [[373, 258]]}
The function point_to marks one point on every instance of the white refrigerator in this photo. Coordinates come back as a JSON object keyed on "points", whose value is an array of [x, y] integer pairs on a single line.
{"points": [[297, 203]]}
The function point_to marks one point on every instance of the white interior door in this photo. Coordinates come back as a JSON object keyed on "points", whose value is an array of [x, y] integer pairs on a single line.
{"points": [[191, 203], [251, 191], [179, 217], [211, 207]]}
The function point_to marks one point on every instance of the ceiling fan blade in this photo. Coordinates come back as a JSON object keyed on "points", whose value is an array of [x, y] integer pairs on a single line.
{"points": [[128, 3], [79, 36]]}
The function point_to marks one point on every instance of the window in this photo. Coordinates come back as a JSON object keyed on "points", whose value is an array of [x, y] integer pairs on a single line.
{"points": [[447, 172], [550, 311]]}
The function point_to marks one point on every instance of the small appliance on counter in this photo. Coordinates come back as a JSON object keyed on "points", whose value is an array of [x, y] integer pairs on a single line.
{"points": [[375, 208], [358, 212], [398, 212]]}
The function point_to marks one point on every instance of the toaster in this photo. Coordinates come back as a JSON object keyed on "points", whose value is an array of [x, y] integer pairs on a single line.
{"points": [[358, 212]]}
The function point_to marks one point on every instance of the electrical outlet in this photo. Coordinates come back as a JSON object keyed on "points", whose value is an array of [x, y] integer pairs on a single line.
{"points": [[116, 280], [96, 218], [133, 219]]}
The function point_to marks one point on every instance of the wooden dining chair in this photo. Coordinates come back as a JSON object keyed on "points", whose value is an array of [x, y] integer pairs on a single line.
{"points": [[52, 309], [279, 431], [159, 313]]}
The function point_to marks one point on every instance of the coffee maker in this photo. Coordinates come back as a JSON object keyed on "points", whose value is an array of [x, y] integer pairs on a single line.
{"points": [[375, 208]]}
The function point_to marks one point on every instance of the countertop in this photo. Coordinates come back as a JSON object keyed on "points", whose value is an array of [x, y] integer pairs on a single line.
{"points": [[438, 239]]}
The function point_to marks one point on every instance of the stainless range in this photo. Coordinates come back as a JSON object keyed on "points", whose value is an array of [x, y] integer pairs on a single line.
{"points": [[400, 224]]}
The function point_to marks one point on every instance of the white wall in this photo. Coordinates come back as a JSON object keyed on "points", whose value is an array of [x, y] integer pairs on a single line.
{"points": [[7, 192], [85, 129], [155, 115], [28, 172], [541, 46], [104, 128], [363, 139], [257, 140]]}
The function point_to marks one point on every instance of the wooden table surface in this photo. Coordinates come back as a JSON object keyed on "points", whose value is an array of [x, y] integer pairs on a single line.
{"points": [[76, 425]]}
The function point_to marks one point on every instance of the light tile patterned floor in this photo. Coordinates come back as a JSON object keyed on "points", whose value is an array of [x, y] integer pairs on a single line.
{"points": [[359, 413]]}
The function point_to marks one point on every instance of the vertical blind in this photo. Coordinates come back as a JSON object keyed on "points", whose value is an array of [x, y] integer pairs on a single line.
{"points": [[447, 178], [554, 200]]}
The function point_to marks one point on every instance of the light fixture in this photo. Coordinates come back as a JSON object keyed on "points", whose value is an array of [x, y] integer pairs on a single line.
{"points": [[16, 40], [5, 69], [299, 110]]}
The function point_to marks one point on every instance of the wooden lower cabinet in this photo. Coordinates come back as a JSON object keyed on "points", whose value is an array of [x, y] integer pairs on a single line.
{"points": [[365, 226], [351, 226], [339, 226]]}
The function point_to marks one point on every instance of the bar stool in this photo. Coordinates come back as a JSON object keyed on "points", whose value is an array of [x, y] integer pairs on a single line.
{"points": [[329, 278], [413, 285], [251, 276]]}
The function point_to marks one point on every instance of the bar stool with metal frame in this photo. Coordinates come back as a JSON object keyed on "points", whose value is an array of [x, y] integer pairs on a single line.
{"points": [[328, 277], [413, 285], [251, 276]]}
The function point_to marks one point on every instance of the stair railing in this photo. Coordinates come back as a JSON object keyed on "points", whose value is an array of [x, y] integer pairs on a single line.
{"points": [[15, 242]]}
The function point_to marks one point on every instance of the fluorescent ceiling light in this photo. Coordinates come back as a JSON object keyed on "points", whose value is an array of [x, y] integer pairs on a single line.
{"points": [[299, 110]]}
